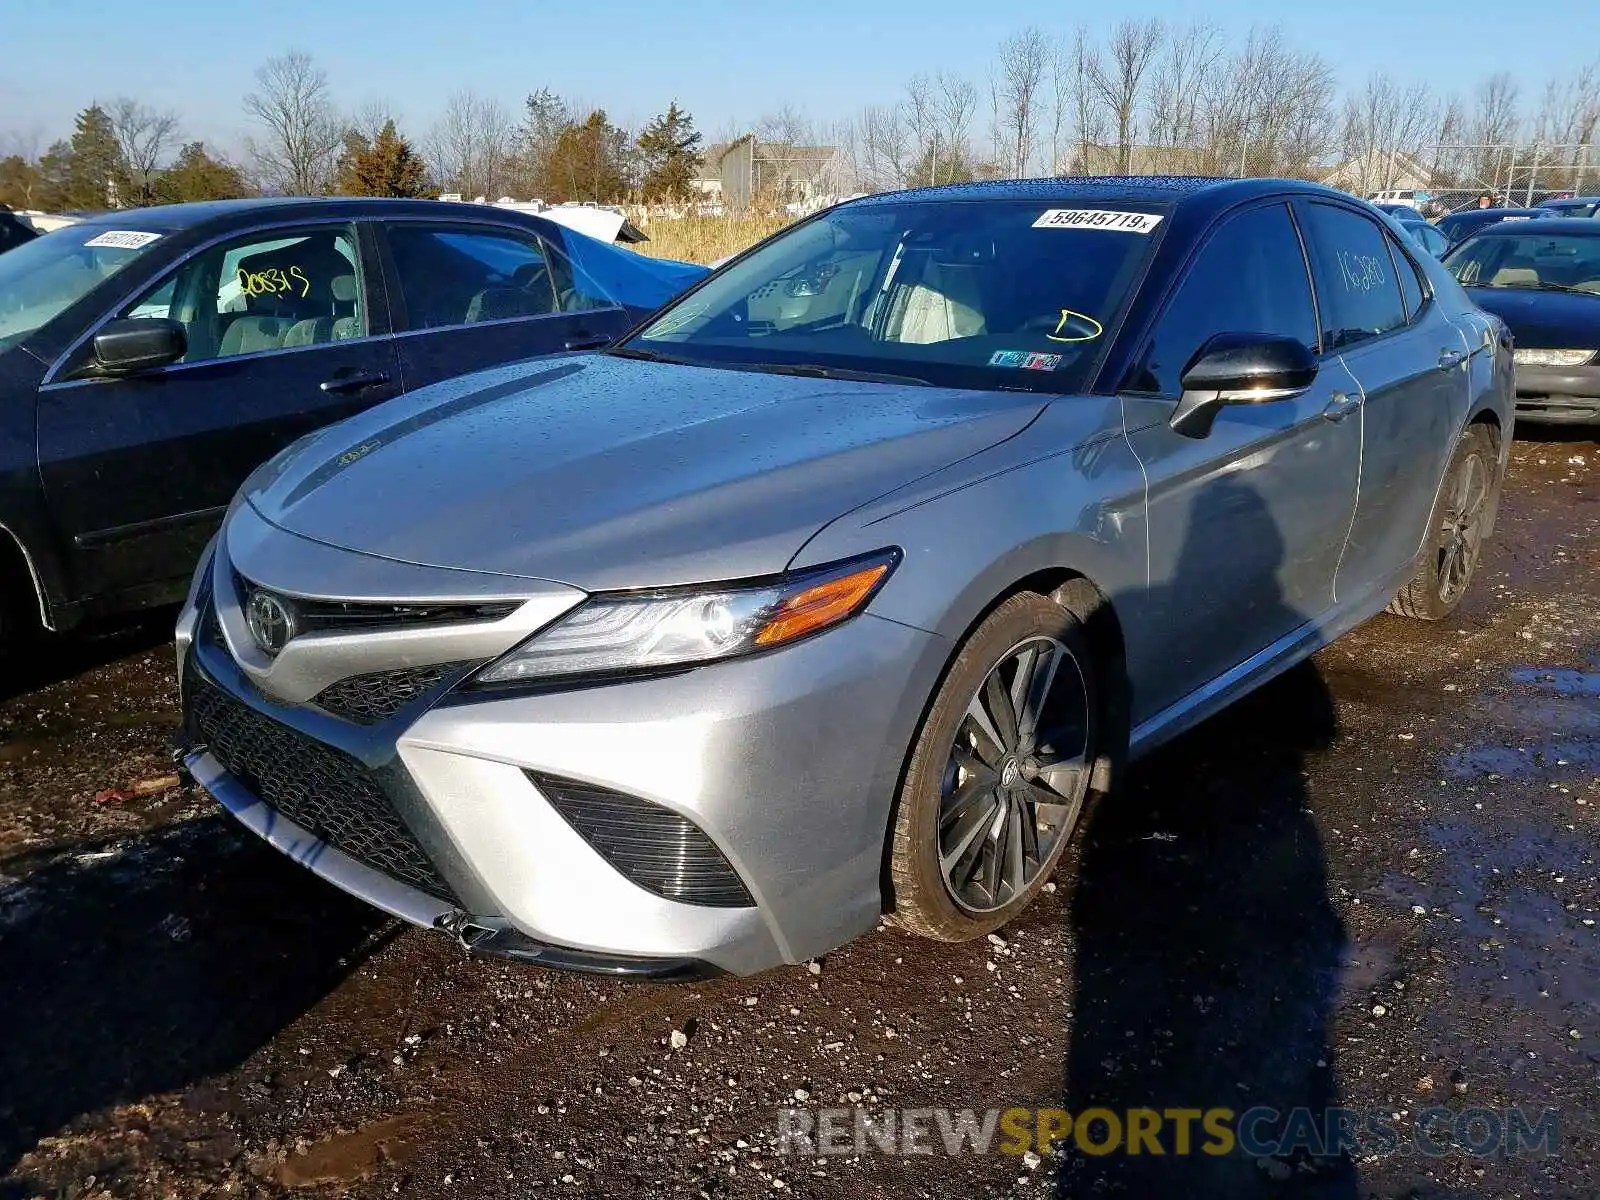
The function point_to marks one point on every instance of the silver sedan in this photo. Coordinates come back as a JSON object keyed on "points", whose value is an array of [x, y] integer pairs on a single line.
{"points": [[844, 584]]}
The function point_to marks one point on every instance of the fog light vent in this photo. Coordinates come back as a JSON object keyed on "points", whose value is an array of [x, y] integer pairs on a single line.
{"points": [[656, 848]]}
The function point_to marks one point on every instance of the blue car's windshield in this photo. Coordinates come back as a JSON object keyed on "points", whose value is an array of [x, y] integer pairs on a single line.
{"points": [[983, 294], [44, 277], [1549, 262]]}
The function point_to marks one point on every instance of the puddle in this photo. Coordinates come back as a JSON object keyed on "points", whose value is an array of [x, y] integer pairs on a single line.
{"points": [[1552, 758], [1562, 681], [1507, 891], [348, 1157]]}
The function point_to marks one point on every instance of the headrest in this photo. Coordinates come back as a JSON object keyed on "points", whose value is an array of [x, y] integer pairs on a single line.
{"points": [[291, 276], [344, 288]]}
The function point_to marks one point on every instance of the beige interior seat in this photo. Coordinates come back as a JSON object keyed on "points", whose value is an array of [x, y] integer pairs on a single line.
{"points": [[1514, 277], [945, 305]]}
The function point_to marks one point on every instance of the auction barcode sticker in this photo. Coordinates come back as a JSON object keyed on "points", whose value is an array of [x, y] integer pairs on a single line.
{"points": [[123, 239], [1097, 218]]}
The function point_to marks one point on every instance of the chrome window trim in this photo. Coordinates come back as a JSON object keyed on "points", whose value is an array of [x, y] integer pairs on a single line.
{"points": [[178, 263], [468, 223], [175, 368]]}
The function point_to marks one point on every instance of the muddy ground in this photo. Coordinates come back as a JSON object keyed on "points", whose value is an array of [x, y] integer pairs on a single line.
{"points": [[1373, 884]]}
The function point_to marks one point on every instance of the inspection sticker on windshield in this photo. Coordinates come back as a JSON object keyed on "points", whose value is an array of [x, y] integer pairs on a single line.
{"points": [[123, 239], [1028, 360], [1097, 218]]}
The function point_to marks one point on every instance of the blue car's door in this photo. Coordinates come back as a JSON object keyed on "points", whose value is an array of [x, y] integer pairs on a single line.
{"points": [[284, 335], [1246, 524], [472, 295]]}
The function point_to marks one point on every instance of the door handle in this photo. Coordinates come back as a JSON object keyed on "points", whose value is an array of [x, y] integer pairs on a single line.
{"points": [[587, 341], [1449, 360], [1340, 405], [353, 383]]}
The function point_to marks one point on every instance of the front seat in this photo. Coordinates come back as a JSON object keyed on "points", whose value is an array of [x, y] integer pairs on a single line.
{"points": [[529, 294], [944, 305], [1518, 274], [251, 334]]}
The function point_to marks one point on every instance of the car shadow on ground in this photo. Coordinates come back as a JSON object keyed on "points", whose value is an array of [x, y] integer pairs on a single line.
{"points": [[1208, 953], [134, 967], [49, 658]]}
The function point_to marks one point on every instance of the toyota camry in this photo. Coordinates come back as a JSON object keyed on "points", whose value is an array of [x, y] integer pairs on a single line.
{"points": [[843, 585]]}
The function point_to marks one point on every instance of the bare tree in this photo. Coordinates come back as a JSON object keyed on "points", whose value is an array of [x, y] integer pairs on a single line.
{"points": [[1088, 109], [1189, 57], [1385, 128], [881, 141], [143, 136], [787, 127], [468, 149], [1120, 79], [302, 134], [955, 101], [1024, 59]]}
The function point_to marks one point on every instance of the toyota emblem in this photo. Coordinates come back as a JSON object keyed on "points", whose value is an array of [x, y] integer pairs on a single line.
{"points": [[271, 621]]}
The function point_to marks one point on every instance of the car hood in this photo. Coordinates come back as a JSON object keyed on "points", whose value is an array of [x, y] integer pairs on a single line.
{"points": [[604, 473], [1544, 320]]}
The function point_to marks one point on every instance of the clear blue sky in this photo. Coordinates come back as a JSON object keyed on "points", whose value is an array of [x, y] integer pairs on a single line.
{"points": [[726, 62]]}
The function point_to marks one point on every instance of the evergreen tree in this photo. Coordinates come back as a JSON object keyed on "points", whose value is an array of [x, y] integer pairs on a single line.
{"points": [[96, 178], [940, 165], [195, 175], [55, 178], [21, 185], [386, 167], [589, 162], [669, 152]]}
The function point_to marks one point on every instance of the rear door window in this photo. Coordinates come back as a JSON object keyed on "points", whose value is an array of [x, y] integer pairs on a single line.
{"points": [[465, 275], [1358, 285]]}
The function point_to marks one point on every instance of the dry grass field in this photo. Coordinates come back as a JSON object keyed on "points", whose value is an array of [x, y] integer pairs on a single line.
{"points": [[706, 239]]}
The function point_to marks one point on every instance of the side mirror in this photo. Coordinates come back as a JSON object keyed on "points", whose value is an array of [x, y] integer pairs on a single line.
{"points": [[1240, 368], [132, 344]]}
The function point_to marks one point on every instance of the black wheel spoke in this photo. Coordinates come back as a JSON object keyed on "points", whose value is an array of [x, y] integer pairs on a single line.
{"points": [[1016, 776], [998, 703]]}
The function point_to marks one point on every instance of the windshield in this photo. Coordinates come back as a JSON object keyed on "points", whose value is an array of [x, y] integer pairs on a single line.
{"points": [[46, 276], [995, 294], [1552, 262]]}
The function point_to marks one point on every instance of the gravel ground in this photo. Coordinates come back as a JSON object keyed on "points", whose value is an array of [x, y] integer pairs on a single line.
{"points": [[1373, 884]]}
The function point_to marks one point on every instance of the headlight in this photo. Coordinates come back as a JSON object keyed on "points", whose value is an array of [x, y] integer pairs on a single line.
{"points": [[1552, 358], [630, 632]]}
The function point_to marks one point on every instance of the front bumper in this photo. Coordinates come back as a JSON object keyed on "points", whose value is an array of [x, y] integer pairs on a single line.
{"points": [[1559, 395], [788, 763]]}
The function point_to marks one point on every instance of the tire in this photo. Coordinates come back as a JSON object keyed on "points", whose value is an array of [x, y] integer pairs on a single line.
{"points": [[1463, 513], [974, 782]]}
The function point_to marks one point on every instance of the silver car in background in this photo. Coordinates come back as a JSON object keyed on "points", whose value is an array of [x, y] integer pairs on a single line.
{"points": [[847, 582]]}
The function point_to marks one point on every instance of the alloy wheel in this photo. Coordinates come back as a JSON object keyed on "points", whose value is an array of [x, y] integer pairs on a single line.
{"points": [[1017, 775], [1461, 532]]}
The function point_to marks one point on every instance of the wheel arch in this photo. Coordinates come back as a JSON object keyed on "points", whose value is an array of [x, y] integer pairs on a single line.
{"points": [[1079, 594], [19, 572]]}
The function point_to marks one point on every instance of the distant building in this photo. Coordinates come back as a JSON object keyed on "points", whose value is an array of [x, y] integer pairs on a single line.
{"points": [[1379, 171], [733, 174]]}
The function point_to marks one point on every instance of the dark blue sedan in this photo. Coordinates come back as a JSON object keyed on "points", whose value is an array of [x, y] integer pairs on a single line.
{"points": [[149, 360]]}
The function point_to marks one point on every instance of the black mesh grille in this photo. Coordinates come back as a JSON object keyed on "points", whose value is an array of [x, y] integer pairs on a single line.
{"points": [[656, 848], [315, 786], [368, 699]]}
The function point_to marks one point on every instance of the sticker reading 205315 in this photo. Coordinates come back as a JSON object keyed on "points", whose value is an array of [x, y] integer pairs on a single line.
{"points": [[123, 239], [1097, 218]]}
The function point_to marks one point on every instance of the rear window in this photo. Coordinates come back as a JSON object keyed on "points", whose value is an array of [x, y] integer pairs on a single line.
{"points": [[967, 294]]}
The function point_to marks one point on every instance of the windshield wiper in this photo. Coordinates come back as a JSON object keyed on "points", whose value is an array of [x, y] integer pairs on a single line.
{"points": [[818, 371], [644, 355]]}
